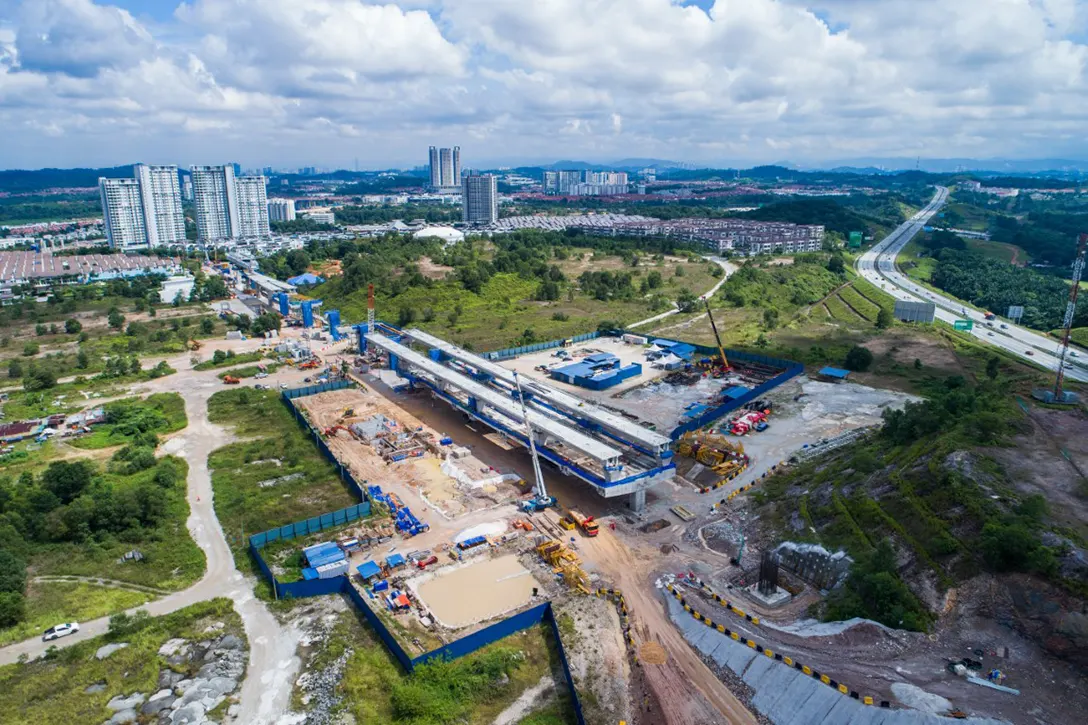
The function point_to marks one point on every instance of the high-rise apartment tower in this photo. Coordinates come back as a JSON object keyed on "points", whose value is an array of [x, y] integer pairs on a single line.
{"points": [[144, 211], [480, 197]]}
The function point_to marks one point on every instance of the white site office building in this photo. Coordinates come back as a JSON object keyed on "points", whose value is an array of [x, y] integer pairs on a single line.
{"points": [[229, 207], [144, 211]]}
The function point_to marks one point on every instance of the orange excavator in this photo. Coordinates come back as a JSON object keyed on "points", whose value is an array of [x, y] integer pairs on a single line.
{"points": [[231, 380]]}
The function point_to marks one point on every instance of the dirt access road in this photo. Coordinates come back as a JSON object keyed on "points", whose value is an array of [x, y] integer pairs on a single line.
{"points": [[273, 662], [691, 693]]}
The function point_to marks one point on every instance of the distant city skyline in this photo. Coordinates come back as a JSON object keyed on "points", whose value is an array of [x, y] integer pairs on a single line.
{"points": [[325, 82]]}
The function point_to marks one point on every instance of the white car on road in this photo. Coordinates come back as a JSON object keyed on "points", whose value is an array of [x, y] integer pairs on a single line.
{"points": [[61, 630]]}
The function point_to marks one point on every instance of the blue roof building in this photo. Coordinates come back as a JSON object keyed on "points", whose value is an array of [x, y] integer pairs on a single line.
{"points": [[395, 560], [369, 570], [835, 374]]}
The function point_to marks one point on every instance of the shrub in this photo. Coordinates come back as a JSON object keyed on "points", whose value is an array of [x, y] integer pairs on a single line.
{"points": [[858, 359]]}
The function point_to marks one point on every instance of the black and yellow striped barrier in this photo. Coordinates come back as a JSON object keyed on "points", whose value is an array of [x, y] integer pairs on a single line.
{"points": [[722, 601], [746, 487], [616, 596], [767, 652]]}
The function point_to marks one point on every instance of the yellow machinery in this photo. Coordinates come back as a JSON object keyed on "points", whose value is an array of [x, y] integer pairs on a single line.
{"points": [[566, 563], [708, 448]]}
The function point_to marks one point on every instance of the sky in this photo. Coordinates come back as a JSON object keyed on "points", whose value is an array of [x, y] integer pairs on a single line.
{"points": [[327, 83]]}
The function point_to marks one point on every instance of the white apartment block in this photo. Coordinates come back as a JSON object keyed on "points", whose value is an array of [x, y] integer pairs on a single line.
{"points": [[227, 206], [161, 197], [252, 207], [123, 214], [281, 210], [480, 199], [445, 167]]}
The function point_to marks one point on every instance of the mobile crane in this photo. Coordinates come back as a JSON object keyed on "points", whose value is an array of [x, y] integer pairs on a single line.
{"points": [[541, 500]]}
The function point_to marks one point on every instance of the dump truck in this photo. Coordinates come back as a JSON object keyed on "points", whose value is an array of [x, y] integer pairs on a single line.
{"points": [[231, 380], [585, 523]]}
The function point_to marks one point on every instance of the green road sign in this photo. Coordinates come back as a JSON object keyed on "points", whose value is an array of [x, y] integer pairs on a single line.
{"points": [[855, 239], [964, 325]]}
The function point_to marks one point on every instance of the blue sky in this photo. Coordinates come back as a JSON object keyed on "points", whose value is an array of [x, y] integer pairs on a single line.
{"points": [[322, 82]]}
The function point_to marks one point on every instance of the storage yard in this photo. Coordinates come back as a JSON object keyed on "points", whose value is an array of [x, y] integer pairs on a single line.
{"points": [[495, 587]]}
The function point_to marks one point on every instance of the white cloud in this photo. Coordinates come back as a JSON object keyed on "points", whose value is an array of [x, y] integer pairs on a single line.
{"points": [[322, 81]]}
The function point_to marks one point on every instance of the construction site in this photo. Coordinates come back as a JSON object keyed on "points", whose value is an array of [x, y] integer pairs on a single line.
{"points": [[508, 486]]}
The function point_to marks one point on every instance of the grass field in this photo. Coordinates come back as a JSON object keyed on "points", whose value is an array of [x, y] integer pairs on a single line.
{"points": [[999, 250], [249, 371], [167, 410], [919, 268], [859, 304], [53, 691], [298, 482], [49, 603], [842, 313], [172, 559], [472, 690], [504, 310], [229, 360]]}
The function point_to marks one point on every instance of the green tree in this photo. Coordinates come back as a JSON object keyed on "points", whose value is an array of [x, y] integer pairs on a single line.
{"points": [[12, 572], [116, 319], [653, 279], [31, 349], [858, 359], [993, 367], [207, 325], [12, 608], [836, 264], [39, 378], [770, 318], [686, 300], [884, 319], [67, 479], [15, 369], [679, 271], [40, 330], [83, 360], [219, 356], [73, 326]]}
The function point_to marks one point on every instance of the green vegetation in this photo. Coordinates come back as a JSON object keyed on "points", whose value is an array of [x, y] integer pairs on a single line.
{"points": [[78, 518], [472, 690], [221, 359], [52, 690], [276, 479], [859, 304], [249, 371], [15, 210], [923, 491], [134, 421], [49, 603]]}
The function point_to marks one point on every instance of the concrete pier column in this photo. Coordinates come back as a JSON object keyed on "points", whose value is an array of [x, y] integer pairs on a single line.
{"points": [[637, 501]]}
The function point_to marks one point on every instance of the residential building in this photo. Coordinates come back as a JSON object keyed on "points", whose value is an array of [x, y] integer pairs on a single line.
{"points": [[436, 168], [252, 207], [445, 167], [123, 214], [160, 195], [281, 210], [743, 236], [445, 158], [187, 188], [228, 207], [585, 183], [480, 199]]}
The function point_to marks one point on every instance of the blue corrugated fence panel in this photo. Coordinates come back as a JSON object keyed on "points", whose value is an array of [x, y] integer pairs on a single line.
{"points": [[472, 642]]}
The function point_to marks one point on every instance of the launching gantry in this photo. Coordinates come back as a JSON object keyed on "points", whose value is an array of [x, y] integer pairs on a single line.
{"points": [[614, 455]]}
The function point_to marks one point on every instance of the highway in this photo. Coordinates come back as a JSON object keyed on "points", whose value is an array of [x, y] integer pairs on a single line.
{"points": [[878, 266]]}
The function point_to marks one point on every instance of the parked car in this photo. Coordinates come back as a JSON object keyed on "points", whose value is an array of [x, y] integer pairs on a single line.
{"points": [[60, 630], [1030, 353], [261, 375], [283, 386]]}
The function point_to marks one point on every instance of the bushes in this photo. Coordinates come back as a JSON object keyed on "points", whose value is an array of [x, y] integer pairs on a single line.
{"points": [[858, 359], [874, 591]]}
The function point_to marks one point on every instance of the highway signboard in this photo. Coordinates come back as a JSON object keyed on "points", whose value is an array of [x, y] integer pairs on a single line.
{"points": [[1016, 313], [914, 311], [964, 325]]}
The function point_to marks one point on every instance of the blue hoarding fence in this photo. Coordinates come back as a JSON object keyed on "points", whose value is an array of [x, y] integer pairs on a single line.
{"points": [[713, 414], [526, 349], [314, 525], [342, 585]]}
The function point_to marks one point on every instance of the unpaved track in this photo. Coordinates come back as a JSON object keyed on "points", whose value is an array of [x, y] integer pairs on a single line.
{"points": [[690, 692], [273, 662]]}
